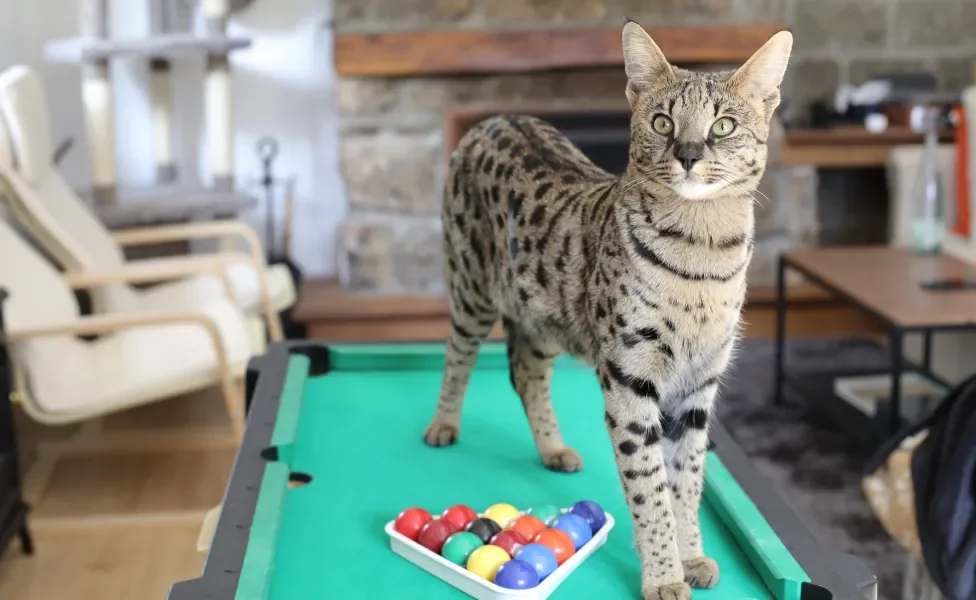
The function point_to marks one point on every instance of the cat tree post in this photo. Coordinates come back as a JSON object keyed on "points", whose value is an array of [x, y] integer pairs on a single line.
{"points": [[160, 80], [218, 103], [174, 197], [96, 91]]}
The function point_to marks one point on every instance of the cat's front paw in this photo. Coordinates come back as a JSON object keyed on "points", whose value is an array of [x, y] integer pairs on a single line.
{"points": [[441, 434], [565, 460], [668, 591], [701, 572]]}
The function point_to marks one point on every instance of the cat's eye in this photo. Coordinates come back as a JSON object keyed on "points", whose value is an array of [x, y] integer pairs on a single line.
{"points": [[723, 127], [662, 125]]}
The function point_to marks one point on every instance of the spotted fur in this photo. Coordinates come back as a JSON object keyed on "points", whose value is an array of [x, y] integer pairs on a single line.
{"points": [[642, 276]]}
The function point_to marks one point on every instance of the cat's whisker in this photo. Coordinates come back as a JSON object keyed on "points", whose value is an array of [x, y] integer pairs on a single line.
{"points": [[745, 190], [636, 183]]}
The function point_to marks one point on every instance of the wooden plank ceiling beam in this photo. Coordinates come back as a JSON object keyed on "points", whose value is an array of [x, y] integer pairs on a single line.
{"points": [[409, 54]]}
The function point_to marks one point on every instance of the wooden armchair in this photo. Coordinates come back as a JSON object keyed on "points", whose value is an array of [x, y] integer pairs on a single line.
{"points": [[137, 358], [68, 231]]}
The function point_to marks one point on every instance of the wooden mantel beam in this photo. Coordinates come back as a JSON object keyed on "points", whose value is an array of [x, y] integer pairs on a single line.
{"points": [[408, 54]]}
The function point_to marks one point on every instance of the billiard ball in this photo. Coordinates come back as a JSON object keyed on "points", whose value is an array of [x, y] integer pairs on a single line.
{"points": [[434, 534], [409, 522], [485, 561], [540, 557], [545, 512], [484, 528], [503, 514], [557, 541], [516, 575], [509, 541], [459, 515], [592, 512], [575, 527], [528, 526], [458, 547]]}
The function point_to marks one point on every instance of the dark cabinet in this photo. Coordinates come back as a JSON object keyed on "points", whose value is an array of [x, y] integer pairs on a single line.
{"points": [[13, 510]]}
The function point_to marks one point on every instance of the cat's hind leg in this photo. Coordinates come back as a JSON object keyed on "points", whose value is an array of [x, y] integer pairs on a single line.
{"points": [[530, 365], [472, 317]]}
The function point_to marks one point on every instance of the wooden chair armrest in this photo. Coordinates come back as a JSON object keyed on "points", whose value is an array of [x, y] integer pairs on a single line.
{"points": [[202, 230], [100, 324], [223, 228], [156, 270]]}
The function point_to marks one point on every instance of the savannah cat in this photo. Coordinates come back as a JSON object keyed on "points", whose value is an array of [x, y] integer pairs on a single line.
{"points": [[641, 276]]}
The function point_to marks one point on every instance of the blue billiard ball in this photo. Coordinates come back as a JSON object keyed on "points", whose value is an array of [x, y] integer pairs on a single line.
{"points": [[517, 575], [592, 512], [575, 527], [542, 559]]}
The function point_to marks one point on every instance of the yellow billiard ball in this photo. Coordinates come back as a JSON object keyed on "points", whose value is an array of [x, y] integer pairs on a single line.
{"points": [[486, 560], [503, 514]]}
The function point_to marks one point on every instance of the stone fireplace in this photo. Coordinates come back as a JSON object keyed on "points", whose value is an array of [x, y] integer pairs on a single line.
{"points": [[397, 129]]}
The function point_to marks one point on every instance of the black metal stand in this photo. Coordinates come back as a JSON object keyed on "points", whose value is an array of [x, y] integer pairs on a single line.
{"points": [[888, 418], [267, 149], [13, 509]]}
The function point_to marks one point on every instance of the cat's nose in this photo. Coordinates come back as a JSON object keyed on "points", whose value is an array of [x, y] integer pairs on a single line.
{"points": [[689, 153]]}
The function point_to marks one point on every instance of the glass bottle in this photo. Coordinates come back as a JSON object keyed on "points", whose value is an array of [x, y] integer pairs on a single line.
{"points": [[929, 225]]}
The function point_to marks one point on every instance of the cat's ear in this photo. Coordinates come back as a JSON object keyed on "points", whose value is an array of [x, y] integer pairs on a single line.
{"points": [[644, 62], [759, 79]]}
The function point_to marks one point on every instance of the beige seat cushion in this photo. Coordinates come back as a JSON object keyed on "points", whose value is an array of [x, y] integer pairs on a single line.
{"points": [[191, 291]]}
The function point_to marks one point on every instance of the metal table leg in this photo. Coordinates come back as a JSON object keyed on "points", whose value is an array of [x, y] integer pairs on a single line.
{"points": [[780, 331], [927, 351], [897, 363], [26, 541]]}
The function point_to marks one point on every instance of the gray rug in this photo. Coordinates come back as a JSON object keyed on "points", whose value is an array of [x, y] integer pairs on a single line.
{"points": [[812, 465]]}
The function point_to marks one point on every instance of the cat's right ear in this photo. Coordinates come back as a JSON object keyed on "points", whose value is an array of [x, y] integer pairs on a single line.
{"points": [[644, 62]]}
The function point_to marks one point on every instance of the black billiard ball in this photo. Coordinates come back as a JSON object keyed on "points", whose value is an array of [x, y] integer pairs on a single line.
{"points": [[484, 528]]}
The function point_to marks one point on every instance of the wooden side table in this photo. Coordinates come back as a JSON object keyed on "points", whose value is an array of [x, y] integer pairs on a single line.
{"points": [[13, 509], [886, 283]]}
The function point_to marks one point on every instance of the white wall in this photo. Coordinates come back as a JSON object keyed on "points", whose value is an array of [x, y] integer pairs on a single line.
{"points": [[282, 88]]}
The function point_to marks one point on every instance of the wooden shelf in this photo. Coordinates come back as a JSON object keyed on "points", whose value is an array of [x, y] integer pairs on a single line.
{"points": [[330, 313], [847, 147], [406, 54]]}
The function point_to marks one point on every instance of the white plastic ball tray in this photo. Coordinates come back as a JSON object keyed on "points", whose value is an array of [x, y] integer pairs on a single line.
{"points": [[482, 589]]}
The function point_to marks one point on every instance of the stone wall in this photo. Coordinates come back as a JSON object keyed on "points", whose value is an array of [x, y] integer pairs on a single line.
{"points": [[392, 142]]}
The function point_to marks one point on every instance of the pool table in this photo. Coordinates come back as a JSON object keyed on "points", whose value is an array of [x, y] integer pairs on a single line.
{"points": [[333, 451]]}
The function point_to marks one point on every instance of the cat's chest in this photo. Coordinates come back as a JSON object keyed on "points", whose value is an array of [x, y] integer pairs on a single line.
{"points": [[691, 321], [703, 316]]}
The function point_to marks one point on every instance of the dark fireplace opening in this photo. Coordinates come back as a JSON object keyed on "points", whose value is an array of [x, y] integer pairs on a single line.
{"points": [[602, 134], [604, 137]]}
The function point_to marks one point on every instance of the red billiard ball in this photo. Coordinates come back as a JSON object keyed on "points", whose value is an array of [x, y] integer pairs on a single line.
{"points": [[411, 521], [510, 541], [459, 515], [558, 541], [528, 526], [434, 534]]}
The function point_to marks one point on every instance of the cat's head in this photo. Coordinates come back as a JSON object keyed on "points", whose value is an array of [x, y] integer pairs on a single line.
{"points": [[701, 134]]}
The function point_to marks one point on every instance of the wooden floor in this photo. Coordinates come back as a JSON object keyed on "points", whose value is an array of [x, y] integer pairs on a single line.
{"points": [[113, 523]]}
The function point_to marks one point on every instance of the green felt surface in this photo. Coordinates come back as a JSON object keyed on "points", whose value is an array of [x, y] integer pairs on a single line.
{"points": [[358, 431]]}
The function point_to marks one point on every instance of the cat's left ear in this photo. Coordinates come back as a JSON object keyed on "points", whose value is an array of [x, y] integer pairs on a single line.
{"points": [[759, 79]]}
